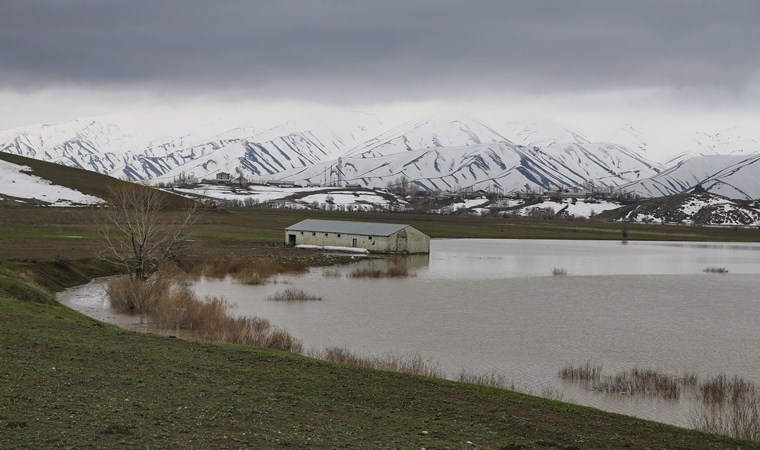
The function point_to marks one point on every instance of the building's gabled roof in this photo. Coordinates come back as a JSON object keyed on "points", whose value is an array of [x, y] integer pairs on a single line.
{"points": [[341, 226]]}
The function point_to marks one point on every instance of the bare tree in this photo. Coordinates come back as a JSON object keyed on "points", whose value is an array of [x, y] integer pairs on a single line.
{"points": [[139, 234]]}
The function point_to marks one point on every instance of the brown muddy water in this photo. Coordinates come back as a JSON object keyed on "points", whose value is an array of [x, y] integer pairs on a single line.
{"points": [[494, 306]]}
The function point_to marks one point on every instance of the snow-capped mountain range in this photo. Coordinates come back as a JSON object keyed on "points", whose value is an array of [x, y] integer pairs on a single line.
{"points": [[440, 152]]}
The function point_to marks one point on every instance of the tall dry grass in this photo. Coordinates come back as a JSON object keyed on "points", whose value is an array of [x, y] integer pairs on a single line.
{"points": [[134, 295], [490, 379], [722, 404], [176, 307], [409, 363], [728, 405], [293, 295], [638, 381], [588, 371]]}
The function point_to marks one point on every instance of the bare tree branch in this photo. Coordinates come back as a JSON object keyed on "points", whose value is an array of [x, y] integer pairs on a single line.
{"points": [[138, 233]]}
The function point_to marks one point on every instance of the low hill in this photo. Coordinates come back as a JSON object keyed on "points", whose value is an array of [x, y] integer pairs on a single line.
{"points": [[55, 184], [698, 208]]}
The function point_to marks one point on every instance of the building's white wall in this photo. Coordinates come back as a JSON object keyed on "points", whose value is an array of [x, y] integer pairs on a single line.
{"points": [[407, 240]]}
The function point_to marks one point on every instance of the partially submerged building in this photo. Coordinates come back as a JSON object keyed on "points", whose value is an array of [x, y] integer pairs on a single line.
{"points": [[375, 237]]}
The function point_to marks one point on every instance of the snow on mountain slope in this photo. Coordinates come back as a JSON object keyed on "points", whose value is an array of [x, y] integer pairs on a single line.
{"points": [[702, 208], [106, 149], [83, 144], [576, 156], [18, 183], [440, 130], [500, 165], [542, 132], [732, 176], [335, 132]]}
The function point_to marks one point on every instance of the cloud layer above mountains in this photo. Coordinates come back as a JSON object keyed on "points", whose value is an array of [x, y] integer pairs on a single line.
{"points": [[363, 52]]}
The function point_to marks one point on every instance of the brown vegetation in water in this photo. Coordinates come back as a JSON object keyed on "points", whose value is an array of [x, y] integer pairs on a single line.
{"points": [[586, 372], [411, 363], [293, 295], [723, 405], [715, 270], [176, 307], [254, 271], [729, 406]]}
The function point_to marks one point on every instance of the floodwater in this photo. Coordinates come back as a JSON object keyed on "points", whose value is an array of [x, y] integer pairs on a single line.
{"points": [[494, 306]]}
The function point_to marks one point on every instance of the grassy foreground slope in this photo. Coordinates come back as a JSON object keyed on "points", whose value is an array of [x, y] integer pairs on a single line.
{"points": [[69, 381]]}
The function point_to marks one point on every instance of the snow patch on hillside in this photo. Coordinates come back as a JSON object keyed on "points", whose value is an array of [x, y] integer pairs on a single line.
{"points": [[18, 182]]}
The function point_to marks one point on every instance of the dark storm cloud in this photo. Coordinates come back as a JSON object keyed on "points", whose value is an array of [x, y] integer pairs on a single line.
{"points": [[380, 50]]}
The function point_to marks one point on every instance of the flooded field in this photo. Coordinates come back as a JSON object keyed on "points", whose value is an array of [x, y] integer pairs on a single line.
{"points": [[495, 306]]}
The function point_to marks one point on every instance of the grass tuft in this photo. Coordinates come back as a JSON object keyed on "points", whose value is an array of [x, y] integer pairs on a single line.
{"points": [[293, 295]]}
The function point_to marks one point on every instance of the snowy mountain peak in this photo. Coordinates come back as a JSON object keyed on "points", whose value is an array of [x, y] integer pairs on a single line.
{"points": [[438, 130], [542, 132]]}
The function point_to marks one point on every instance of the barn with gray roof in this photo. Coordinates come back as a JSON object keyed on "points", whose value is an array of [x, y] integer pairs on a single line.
{"points": [[375, 237]]}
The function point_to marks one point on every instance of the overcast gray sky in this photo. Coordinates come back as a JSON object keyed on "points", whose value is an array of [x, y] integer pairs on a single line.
{"points": [[64, 58]]}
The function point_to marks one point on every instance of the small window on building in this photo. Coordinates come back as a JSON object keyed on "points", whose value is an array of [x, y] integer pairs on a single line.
{"points": [[313, 233], [302, 233], [326, 234], [338, 234], [370, 237]]}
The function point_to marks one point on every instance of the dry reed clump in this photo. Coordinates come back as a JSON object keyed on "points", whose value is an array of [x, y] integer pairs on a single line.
{"points": [[293, 295], [715, 270], [176, 307], [729, 406], [724, 405], [134, 295], [559, 272], [409, 363], [491, 379], [586, 372], [642, 382], [551, 393], [635, 381]]}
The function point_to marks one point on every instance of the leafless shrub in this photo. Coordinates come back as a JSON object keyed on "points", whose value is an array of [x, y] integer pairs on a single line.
{"points": [[586, 372], [559, 272], [715, 270], [293, 295]]}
